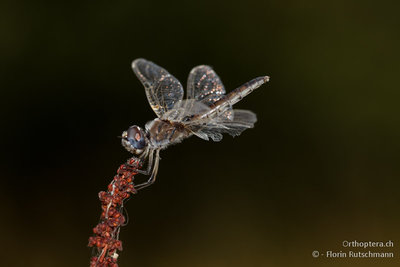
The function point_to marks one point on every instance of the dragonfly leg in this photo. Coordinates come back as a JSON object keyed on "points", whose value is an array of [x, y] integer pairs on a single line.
{"points": [[152, 178], [149, 165]]}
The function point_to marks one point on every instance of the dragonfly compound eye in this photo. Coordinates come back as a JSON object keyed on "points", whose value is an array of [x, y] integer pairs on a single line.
{"points": [[136, 137]]}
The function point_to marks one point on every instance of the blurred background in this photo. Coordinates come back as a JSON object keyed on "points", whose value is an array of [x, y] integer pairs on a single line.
{"points": [[320, 167]]}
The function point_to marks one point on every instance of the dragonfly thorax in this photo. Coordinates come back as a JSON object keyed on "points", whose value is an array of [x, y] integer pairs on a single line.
{"points": [[162, 133]]}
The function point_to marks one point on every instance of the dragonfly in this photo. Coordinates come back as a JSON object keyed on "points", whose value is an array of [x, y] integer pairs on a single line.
{"points": [[206, 112]]}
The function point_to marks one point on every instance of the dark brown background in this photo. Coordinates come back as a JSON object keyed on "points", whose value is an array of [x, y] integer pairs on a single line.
{"points": [[320, 167]]}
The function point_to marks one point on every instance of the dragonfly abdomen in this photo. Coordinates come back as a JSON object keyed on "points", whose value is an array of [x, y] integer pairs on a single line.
{"points": [[233, 97]]}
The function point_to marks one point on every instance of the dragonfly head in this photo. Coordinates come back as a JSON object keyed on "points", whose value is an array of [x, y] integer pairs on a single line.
{"points": [[134, 140]]}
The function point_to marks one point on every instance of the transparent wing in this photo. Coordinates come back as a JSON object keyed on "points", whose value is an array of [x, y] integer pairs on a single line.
{"points": [[242, 120], [162, 89], [205, 86], [184, 110]]}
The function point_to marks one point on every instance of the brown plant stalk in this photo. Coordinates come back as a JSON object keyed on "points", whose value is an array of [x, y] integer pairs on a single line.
{"points": [[106, 233]]}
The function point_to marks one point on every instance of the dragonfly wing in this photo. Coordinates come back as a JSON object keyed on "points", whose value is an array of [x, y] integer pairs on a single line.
{"points": [[242, 120], [205, 86], [203, 82], [162, 89], [184, 110], [244, 116]]}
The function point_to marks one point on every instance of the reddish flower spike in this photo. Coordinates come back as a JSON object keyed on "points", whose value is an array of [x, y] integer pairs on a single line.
{"points": [[106, 232]]}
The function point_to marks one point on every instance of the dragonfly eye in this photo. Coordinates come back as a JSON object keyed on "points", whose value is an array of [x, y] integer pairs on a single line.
{"points": [[136, 137]]}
